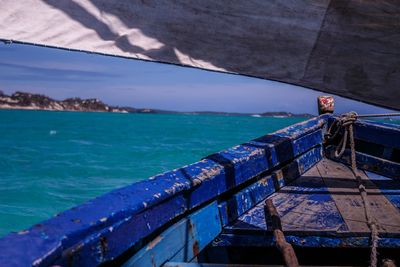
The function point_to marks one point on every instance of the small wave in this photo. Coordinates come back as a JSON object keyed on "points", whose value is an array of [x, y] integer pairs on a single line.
{"points": [[53, 132], [279, 116], [81, 142]]}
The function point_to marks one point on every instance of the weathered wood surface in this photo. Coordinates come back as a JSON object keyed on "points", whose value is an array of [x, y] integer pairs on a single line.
{"points": [[344, 190], [304, 205], [389, 187], [326, 201], [247, 198], [182, 241]]}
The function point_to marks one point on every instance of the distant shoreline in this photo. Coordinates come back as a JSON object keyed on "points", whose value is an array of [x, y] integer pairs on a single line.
{"points": [[37, 102], [6, 107], [168, 112]]}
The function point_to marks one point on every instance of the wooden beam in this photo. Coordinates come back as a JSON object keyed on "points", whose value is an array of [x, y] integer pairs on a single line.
{"points": [[286, 249]]}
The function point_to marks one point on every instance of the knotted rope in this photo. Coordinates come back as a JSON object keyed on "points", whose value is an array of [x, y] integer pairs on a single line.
{"points": [[346, 122]]}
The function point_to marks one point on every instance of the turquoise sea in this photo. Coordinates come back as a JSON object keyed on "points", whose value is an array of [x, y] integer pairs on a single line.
{"points": [[51, 161]]}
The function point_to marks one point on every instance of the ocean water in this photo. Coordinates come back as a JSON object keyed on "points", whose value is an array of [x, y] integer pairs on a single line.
{"points": [[51, 161]]}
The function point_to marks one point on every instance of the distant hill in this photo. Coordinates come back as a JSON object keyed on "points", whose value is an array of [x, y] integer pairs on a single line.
{"points": [[23, 100]]}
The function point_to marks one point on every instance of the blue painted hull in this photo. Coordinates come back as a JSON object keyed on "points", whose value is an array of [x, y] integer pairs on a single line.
{"points": [[207, 209]]}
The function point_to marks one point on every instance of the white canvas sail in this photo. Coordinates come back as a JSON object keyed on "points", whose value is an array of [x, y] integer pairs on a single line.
{"points": [[350, 48]]}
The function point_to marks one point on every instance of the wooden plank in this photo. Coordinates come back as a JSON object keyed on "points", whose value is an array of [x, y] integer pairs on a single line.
{"points": [[182, 241], [390, 188], [344, 190], [378, 133], [367, 162], [251, 239], [194, 264]]}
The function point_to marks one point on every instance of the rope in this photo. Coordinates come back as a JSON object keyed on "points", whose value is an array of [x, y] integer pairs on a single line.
{"points": [[346, 121], [289, 256]]}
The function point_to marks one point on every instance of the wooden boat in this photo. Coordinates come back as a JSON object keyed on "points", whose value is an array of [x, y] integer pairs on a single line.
{"points": [[286, 189], [213, 213]]}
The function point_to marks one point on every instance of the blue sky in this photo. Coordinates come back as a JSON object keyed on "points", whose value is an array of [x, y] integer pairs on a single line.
{"points": [[124, 82]]}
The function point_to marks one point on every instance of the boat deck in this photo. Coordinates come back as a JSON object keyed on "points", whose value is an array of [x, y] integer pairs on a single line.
{"points": [[325, 201]]}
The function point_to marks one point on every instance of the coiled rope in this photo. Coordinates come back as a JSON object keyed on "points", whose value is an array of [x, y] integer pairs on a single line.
{"points": [[346, 122]]}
